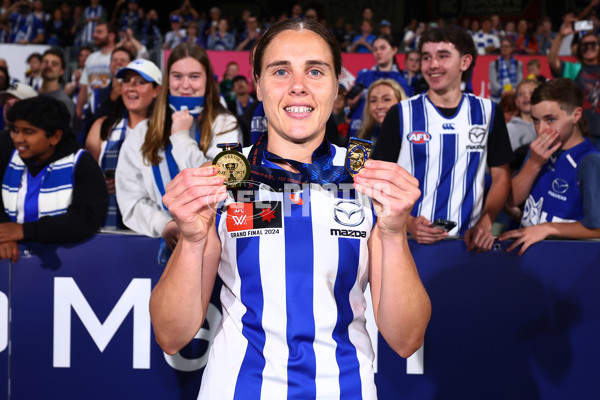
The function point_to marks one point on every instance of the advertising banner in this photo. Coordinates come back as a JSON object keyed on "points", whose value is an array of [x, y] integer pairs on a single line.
{"points": [[502, 326]]}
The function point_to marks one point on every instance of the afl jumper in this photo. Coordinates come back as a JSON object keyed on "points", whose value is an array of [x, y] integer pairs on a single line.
{"points": [[448, 156], [294, 268]]}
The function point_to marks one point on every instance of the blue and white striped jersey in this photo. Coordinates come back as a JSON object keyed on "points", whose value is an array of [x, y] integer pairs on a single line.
{"points": [[448, 156], [294, 269]]}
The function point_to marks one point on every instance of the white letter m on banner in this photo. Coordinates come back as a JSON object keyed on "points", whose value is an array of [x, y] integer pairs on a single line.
{"points": [[67, 294]]}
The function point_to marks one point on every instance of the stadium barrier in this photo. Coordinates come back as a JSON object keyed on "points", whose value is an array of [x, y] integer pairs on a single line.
{"points": [[502, 326]]}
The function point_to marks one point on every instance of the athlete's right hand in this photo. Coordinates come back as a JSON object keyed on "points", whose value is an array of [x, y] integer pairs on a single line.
{"points": [[420, 230], [191, 197]]}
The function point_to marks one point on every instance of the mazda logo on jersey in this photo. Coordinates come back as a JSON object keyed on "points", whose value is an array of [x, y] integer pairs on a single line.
{"points": [[348, 213], [477, 134], [560, 186], [418, 137]]}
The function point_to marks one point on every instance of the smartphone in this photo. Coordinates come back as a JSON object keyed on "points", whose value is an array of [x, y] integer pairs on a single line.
{"points": [[585, 25], [443, 224], [109, 173], [355, 91]]}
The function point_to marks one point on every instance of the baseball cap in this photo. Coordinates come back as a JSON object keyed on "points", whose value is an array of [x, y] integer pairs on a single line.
{"points": [[147, 70], [175, 18], [20, 90], [385, 22]]}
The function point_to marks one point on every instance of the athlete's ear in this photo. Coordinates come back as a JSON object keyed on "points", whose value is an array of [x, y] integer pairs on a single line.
{"points": [[258, 91]]}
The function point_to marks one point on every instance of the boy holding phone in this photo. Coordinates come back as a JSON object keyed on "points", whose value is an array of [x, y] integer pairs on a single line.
{"points": [[445, 138], [560, 180]]}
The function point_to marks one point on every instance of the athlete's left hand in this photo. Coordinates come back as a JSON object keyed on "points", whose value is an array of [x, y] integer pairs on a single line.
{"points": [[479, 238], [525, 236], [394, 192]]}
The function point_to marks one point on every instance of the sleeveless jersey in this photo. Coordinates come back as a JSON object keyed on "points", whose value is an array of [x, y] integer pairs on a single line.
{"points": [[448, 156], [556, 196], [294, 269]]}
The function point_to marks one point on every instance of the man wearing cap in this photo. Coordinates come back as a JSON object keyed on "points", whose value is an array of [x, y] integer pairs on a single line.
{"points": [[385, 27], [176, 34], [53, 69]]}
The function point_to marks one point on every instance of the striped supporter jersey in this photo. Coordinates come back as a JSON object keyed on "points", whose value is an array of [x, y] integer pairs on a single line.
{"points": [[294, 269], [448, 156]]}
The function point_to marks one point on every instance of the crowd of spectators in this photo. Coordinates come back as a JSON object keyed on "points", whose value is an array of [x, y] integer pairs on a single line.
{"points": [[24, 21], [108, 40]]}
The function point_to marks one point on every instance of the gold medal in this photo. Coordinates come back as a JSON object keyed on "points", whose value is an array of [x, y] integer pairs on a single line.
{"points": [[358, 153], [232, 164]]}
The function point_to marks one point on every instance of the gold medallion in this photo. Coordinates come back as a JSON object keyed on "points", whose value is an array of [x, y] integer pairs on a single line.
{"points": [[232, 164], [358, 153]]}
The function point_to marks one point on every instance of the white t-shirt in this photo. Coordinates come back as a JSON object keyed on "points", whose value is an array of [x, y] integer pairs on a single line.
{"points": [[96, 73]]}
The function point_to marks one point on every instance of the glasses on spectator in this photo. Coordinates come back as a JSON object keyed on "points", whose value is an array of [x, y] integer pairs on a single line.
{"points": [[589, 45], [134, 80]]}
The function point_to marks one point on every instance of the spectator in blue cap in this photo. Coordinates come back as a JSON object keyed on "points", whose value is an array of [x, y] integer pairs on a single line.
{"points": [[141, 80], [176, 34], [385, 27]]}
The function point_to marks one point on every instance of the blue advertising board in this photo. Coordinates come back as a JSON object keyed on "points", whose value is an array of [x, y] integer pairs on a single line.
{"points": [[502, 326], [4, 328], [82, 326]]}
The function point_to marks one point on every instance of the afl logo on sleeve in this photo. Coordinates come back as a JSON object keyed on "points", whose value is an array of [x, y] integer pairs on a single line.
{"points": [[418, 137]]}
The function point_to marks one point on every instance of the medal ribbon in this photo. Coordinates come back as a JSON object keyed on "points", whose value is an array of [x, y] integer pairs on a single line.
{"points": [[321, 171]]}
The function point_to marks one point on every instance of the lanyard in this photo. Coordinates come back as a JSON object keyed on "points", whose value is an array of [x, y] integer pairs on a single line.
{"points": [[322, 171]]}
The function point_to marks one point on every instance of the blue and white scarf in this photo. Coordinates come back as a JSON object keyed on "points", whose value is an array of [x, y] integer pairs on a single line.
{"points": [[109, 162], [507, 72], [28, 198], [181, 103]]}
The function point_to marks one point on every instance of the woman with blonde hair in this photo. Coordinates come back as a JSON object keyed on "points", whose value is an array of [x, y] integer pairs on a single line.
{"points": [[187, 124], [381, 96]]}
